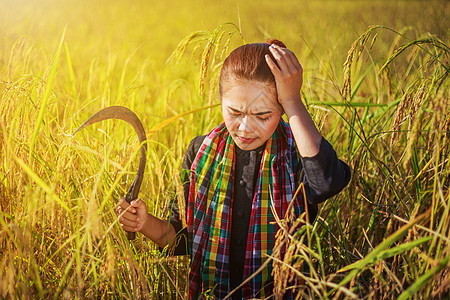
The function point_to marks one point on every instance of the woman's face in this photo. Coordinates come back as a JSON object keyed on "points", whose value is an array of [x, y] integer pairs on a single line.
{"points": [[251, 113]]}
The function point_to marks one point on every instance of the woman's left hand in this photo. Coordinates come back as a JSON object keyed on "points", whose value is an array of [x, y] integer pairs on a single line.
{"points": [[288, 75], [288, 79]]}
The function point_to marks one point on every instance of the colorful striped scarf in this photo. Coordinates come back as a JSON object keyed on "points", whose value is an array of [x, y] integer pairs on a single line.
{"points": [[209, 211]]}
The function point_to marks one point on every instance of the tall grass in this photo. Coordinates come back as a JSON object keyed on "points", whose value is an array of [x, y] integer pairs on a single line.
{"points": [[385, 112]]}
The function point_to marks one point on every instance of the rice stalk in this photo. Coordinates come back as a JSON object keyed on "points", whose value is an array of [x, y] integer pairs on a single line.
{"points": [[46, 96], [353, 54], [438, 44]]}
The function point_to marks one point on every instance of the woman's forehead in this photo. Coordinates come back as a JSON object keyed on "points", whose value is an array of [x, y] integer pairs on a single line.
{"points": [[250, 95], [257, 106]]}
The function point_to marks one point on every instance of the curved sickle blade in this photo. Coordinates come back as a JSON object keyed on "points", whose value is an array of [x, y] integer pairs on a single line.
{"points": [[123, 113]]}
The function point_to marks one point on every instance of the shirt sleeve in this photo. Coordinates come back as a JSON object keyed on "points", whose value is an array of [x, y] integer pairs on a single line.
{"points": [[324, 175]]}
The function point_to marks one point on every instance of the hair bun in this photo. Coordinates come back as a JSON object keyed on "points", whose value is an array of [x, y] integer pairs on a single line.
{"points": [[276, 42]]}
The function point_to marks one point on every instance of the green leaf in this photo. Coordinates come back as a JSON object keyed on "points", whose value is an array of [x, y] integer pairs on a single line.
{"points": [[423, 280], [46, 96], [350, 104], [379, 249], [386, 254], [41, 183]]}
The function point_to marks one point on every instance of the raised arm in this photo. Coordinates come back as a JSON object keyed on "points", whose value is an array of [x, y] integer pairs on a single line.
{"points": [[289, 79], [323, 174]]}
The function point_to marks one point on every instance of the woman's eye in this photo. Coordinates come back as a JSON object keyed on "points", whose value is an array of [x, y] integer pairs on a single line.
{"points": [[264, 119]]}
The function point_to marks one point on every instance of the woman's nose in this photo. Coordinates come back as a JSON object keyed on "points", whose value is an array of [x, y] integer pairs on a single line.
{"points": [[245, 125]]}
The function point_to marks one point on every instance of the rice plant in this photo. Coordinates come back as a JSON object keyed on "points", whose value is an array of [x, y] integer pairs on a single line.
{"points": [[385, 111]]}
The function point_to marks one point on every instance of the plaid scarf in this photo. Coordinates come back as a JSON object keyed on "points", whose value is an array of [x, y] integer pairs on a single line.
{"points": [[209, 211]]}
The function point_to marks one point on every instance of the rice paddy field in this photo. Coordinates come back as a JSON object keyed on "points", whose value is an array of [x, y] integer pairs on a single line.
{"points": [[375, 81]]}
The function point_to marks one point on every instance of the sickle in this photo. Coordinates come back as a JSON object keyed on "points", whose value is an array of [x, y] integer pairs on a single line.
{"points": [[123, 113]]}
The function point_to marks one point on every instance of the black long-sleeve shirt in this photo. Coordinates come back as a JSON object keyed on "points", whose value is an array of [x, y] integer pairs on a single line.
{"points": [[323, 175]]}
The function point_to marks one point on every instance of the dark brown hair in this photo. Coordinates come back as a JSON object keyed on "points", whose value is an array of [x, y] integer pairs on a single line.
{"points": [[247, 62]]}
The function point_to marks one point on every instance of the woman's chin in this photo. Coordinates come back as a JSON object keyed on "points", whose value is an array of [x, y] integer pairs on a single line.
{"points": [[247, 143]]}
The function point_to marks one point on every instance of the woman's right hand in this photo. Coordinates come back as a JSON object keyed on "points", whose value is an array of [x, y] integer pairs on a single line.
{"points": [[132, 216]]}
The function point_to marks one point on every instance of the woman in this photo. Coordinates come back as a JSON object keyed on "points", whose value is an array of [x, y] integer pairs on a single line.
{"points": [[247, 166]]}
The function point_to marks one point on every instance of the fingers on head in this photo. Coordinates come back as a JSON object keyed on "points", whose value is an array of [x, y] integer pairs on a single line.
{"points": [[285, 57], [294, 62], [272, 65], [282, 58], [277, 52]]}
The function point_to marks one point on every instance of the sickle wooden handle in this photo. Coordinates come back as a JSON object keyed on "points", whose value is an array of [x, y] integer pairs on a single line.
{"points": [[123, 113]]}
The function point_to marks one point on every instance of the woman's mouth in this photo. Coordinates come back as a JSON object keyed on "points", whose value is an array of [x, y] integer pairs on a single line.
{"points": [[246, 140]]}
